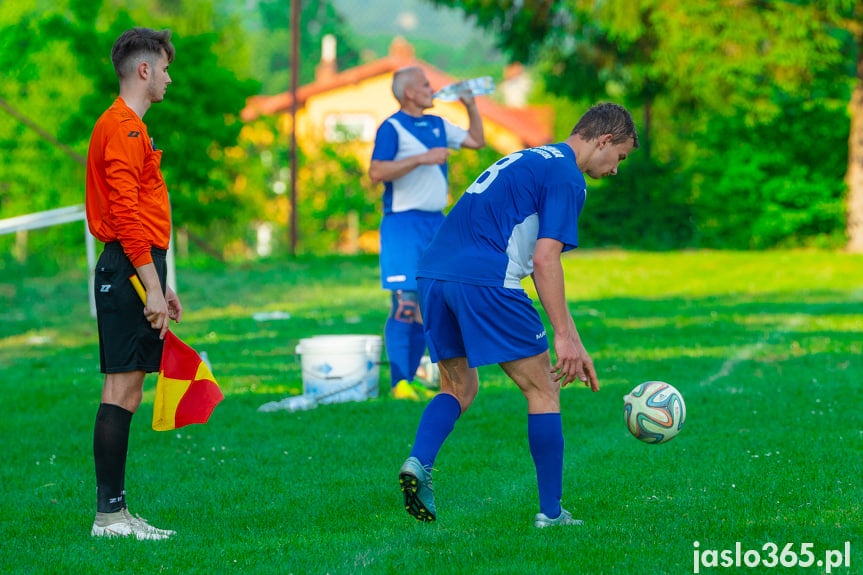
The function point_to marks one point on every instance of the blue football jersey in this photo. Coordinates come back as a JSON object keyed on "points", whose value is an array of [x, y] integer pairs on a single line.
{"points": [[489, 236], [401, 136]]}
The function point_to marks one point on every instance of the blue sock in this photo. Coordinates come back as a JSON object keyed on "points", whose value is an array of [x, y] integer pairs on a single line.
{"points": [[418, 348], [437, 422], [398, 340], [545, 436]]}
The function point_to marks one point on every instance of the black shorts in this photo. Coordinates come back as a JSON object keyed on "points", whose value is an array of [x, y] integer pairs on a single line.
{"points": [[127, 342]]}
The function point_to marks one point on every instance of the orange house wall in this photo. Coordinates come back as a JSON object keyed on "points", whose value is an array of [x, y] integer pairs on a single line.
{"points": [[374, 97]]}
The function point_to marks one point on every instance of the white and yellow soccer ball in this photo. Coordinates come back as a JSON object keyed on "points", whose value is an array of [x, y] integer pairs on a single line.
{"points": [[654, 412]]}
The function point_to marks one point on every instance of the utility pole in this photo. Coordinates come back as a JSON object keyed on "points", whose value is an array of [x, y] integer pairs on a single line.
{"points": [[295, 72]]}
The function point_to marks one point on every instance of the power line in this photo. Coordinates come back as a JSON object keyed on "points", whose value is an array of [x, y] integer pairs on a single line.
{"points": [[44, 134]]}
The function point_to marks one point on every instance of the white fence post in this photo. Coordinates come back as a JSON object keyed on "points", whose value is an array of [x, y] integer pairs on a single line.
{"points": [[90, 243], [73, 214], [171, 279]]}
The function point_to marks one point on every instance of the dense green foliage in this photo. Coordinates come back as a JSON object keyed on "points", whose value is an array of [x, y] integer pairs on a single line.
{"points": [[764, 347], [787, 192]]}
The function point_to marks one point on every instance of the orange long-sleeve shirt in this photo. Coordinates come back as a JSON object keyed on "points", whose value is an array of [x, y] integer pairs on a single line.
{"points": [[127, 199]]}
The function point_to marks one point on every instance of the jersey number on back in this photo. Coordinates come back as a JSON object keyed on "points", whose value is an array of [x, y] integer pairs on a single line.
{"points": [[487, 177]]}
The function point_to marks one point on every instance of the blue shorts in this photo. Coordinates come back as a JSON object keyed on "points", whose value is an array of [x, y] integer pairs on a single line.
{"points": [[485, 324], [404, 237]]}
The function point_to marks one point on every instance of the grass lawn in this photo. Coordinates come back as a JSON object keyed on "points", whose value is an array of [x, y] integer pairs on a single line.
{"points": [[765, 347]]}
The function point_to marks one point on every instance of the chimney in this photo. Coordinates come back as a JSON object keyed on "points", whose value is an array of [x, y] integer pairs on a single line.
{"points": [[327, 67], [516, 85], [401, 48]]}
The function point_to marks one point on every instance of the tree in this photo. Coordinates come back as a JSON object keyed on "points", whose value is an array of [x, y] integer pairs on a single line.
{"points": [[848, 15], [688, 65], [270, 22]]}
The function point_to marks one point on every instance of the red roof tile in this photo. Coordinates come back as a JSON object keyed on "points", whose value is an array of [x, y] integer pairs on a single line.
{"points": [[532, 125]]}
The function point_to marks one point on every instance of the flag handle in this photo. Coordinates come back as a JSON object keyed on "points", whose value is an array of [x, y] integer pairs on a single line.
{"points": [[136, 283]]}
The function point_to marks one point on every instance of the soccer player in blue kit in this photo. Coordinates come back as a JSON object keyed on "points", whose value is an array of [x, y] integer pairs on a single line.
{"points": [[410, 157], [515, 220]]}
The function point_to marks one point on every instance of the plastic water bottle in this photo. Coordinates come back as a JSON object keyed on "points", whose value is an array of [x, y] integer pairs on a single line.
{"points": [[298, 403], [206, 359], [290, 404], [478, 87], [430, 371]]}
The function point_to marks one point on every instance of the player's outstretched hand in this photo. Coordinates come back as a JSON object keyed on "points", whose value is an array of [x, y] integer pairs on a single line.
{"points": [[573, 362]]}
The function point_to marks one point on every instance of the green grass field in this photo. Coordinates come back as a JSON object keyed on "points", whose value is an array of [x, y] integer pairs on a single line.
{"points": [[765, 347]]}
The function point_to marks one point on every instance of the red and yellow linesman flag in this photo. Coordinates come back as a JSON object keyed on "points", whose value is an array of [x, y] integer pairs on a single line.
{"points": [[186, 391]]}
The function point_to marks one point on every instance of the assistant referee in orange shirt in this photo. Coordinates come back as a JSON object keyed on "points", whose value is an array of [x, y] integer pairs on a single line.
{"points": [[128, 209]]}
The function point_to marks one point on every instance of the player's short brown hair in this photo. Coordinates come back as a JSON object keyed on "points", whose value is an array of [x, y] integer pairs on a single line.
{"points": [[607, 118]]}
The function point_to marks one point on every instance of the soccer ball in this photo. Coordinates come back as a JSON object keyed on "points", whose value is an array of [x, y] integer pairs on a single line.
{"points": [[654, 412]]}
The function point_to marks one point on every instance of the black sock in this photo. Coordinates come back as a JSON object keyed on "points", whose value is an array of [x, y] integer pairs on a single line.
{"points": [[110, 445]]}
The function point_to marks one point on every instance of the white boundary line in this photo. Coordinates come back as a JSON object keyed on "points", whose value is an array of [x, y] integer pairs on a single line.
{"points": [[747, 352]]}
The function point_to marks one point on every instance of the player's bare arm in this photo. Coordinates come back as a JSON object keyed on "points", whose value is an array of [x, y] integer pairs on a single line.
{"points": [[572, 360], [475, 133], [389, 170]]}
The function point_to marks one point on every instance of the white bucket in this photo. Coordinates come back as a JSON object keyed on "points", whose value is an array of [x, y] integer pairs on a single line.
{"points": [[341, 367]]}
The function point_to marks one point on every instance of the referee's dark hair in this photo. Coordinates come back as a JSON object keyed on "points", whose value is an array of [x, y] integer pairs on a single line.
{"points": [[140, 45]]}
